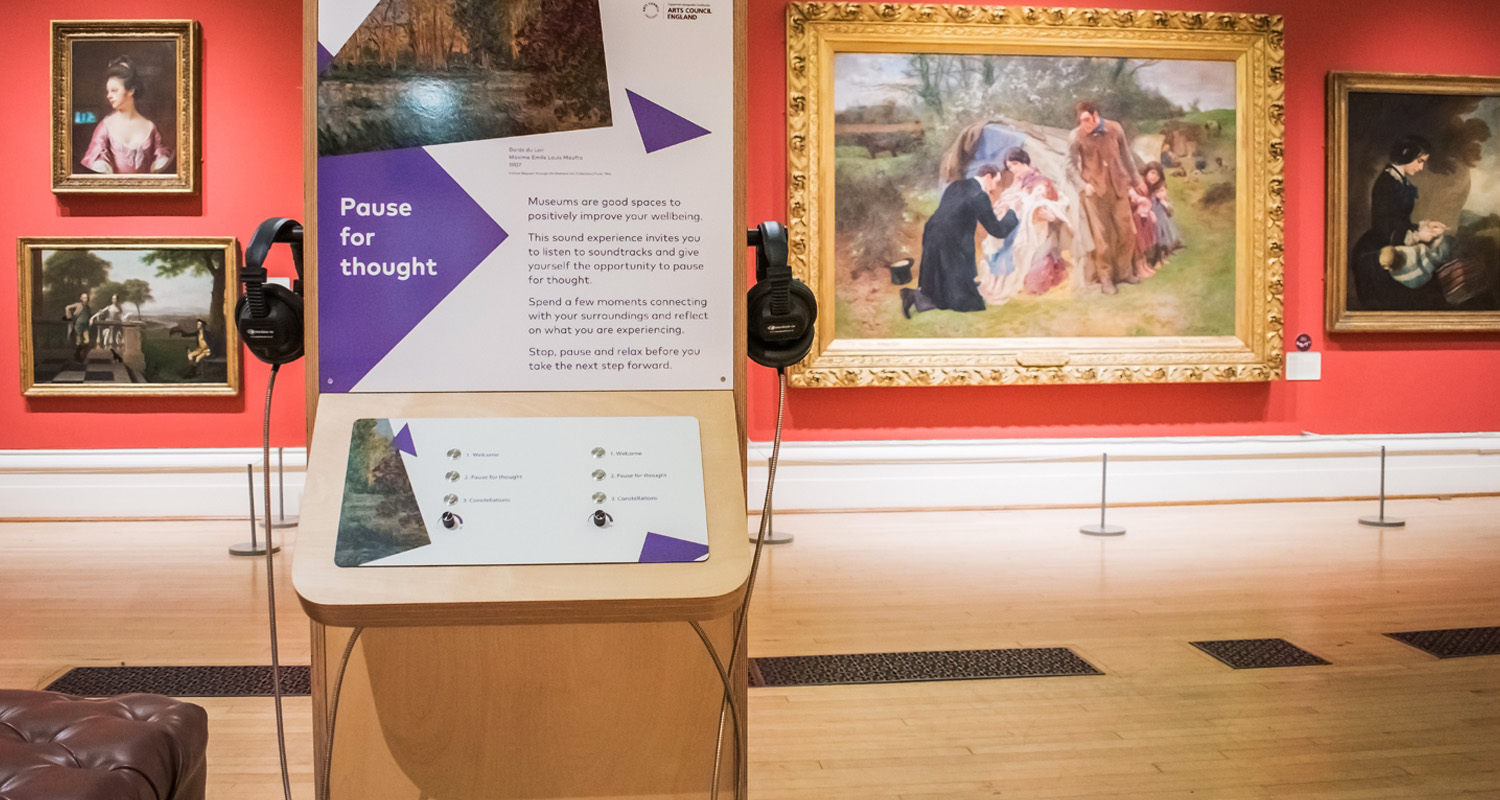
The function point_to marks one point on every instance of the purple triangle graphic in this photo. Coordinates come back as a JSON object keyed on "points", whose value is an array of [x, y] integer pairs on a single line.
{"points": [[362, 316], [660, 549], [403, 441], [659, 127], [324, 58]]}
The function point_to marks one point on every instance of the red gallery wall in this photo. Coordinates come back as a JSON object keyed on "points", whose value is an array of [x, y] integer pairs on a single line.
{"points": [[252, 168], [1371, 383], [251, 145]]}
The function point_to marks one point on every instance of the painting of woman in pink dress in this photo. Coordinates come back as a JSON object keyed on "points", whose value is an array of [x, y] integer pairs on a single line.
{"points": [[125, 106], [125, 142]]}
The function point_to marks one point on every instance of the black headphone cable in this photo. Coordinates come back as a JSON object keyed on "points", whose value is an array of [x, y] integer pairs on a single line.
{"points": [[726, 673], [333, 705]]}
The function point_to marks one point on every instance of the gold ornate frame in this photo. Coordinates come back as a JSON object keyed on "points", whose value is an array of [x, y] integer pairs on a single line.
{"points": [[816, 31], [183, 34], [1338, 316], [29, 255]]}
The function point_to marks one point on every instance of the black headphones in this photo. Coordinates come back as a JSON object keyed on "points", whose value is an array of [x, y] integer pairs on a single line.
{"points": [[268, 316], [780, 309]]}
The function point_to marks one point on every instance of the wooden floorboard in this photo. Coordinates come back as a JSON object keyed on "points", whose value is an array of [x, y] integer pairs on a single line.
{"points": [[1166, 721]]}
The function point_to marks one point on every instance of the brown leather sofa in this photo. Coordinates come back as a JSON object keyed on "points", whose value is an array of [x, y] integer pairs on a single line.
{"points": [[131, 747]]}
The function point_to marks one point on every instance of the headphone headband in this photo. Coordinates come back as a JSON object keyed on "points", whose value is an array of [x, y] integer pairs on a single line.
{"points": [[780, 309], [273, 230], [269, 317], [770, 243]]}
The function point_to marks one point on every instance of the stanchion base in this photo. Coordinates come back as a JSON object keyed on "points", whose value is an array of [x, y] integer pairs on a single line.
{"points": [[772, 537], [1102, 530], [251, 549], [1383, 522], [289, 522]]}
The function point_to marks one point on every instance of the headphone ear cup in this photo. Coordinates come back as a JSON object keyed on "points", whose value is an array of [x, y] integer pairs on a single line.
{"points": [[277, 337], [789, 347]]}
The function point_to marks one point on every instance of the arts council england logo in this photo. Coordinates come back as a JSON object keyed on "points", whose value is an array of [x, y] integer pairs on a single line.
{"points": [[688, 10], [678, 10]]}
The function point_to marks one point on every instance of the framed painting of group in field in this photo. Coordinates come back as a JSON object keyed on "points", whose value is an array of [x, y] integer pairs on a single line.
{"points": [[1413, 203], [1004, 195], [128, 316], [124, 106]]}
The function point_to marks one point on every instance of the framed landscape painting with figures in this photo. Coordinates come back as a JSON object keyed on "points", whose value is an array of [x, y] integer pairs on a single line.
{"points": [[124, 106], [128, 316], [1002, 195], [1413, 203]]}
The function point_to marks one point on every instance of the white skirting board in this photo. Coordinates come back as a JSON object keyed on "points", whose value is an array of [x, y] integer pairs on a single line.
{"points": [[76, 484], [120, 484], [1066, 472]]}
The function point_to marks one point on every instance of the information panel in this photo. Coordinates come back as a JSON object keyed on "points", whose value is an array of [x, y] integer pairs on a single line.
{"points": [[525, 195], [552, 490]]}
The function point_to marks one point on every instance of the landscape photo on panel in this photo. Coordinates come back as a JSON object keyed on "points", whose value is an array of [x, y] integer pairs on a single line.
{"points": [[426, 72], [379, 515]]}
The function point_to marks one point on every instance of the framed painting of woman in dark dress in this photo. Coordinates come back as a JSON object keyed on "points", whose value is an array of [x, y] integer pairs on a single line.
{"points": [[1413, 203], [124, 106]]}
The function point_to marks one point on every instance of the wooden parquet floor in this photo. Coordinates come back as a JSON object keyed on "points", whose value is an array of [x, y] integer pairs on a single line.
{"points": [[1166, 721]]}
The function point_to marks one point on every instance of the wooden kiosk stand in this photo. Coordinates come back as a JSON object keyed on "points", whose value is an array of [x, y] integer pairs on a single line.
{"points": [[494, 678], [536, 681]]}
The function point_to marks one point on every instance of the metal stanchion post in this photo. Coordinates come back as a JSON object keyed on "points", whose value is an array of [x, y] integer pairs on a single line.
{"points": [[772, 537], [252, 547], [1382, 521], [1103, 529], [281, 520]]}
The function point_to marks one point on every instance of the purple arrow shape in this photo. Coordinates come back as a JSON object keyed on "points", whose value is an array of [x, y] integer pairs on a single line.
{"points": [[403, 441], [659, 549], [659, 127], [427, 222]]}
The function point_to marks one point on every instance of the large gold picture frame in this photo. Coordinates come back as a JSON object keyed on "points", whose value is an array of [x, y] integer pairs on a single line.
{"points": [[1428, 261], [124, 106], [137, 316], [865, 81]]}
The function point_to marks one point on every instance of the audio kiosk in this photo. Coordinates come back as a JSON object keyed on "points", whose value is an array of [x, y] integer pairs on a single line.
{"points": [[525, 495], [524, 649]]}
